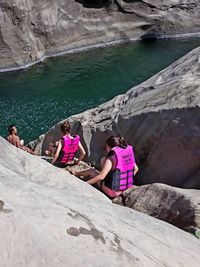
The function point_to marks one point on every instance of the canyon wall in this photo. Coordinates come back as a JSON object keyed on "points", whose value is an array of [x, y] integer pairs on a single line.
{"points": [[31, 30]]}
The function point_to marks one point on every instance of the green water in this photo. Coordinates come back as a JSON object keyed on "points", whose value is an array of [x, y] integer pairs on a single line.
{"points": [[37, 98]]}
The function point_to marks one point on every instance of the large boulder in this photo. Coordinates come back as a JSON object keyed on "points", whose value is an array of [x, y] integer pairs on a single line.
{"points": [[32, 30], [159, 117], [180, 207], [50, 218]]}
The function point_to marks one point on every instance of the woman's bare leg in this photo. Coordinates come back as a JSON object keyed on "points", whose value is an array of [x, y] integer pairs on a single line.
{"points": [[27, 149], [52, 149], [89, 173]]}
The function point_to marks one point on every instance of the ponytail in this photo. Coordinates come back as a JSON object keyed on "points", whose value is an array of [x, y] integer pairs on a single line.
{"points": [[122, 142], [113, 141]]}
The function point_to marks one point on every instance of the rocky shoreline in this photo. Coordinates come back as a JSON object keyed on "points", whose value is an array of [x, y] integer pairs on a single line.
{"points": [[32, 31], [100, 45]]}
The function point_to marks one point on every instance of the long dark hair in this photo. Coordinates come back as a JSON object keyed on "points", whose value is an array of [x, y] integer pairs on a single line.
{"points": [[113, 141], [65, 127]]}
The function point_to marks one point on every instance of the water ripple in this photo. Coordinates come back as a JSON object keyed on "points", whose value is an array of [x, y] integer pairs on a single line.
{"points": [[37, 98]]}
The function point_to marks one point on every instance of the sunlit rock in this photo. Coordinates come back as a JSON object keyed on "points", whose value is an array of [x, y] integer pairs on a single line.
{"points": [[50, 218], [32, 30]]}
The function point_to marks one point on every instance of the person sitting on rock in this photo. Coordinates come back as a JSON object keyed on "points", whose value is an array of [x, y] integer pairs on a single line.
{"points": [[118, 168], [67, 147], [14, 139]]}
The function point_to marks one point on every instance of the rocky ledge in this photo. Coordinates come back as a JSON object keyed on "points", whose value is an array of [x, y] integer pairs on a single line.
{"points": [[180, 207], [50, 218], [159, 117], [32, 30]]}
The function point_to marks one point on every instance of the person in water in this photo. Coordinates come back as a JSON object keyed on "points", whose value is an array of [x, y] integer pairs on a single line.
{"points": [[14, 139], [118, 168], [67, 147]]}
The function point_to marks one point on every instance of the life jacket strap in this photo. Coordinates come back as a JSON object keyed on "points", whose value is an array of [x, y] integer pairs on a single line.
{"points": [[122, 180], [68, 157]]}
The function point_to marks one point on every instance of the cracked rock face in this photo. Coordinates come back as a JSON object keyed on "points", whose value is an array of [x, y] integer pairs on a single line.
{"points": [[31, 30], [159, 117], [50, 218]]}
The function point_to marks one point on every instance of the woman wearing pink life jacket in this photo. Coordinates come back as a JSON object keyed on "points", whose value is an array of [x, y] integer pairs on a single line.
{"points": [[67, 147], [118, 168]]}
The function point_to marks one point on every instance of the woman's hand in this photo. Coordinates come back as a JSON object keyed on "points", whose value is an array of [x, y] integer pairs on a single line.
{"points": [[102, 175]]}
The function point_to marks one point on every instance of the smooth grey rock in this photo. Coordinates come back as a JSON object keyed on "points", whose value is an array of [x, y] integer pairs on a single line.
{"points": [[159, 117], [180, 207], [50, 218], [32, 30], [36, 145]]}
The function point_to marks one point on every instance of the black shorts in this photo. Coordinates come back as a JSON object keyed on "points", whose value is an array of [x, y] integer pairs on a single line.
{"points": [[59, 165]]}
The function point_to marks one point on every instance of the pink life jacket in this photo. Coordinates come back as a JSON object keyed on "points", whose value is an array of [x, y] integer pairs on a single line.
{"points": [[122, 177], [69, 148]]}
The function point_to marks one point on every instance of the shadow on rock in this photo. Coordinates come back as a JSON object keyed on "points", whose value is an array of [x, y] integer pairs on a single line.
{"points": [[180, 207], [94, 3]]}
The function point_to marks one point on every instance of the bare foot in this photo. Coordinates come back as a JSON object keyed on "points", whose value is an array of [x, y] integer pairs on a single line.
{"points": [[71, 170], [74, 172], [48, 153]]}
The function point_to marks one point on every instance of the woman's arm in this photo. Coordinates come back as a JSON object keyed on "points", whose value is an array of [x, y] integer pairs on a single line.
{"points": [[57, 152], [136, 169], [82, 152], [101, 176]]}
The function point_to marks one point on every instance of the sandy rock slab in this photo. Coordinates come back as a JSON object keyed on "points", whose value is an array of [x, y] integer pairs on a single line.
{"points": [[50, 218]]}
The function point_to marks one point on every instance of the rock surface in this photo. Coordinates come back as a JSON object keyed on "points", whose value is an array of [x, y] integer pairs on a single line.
{"points": [[50, 218], [159, 117], [180, 207], [31, 30]]}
